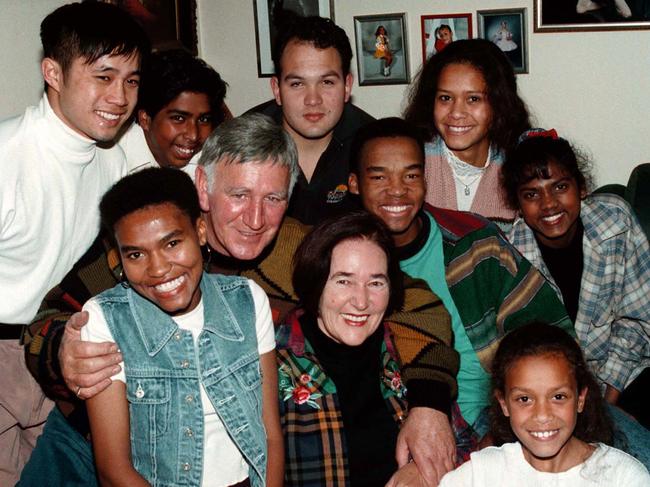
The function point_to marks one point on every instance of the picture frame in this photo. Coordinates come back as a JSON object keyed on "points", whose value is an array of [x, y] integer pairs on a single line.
{"points": [[373, 68], [507, 29], [563, 16], [170, 24], [460, 26], [266, 14]]}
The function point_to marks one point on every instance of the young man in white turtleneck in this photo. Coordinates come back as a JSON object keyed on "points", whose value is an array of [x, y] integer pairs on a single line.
{"points": [[53, 175]]}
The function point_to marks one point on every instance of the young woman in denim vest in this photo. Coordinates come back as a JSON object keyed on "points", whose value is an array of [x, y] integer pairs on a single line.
{"points": [[191, 407]]}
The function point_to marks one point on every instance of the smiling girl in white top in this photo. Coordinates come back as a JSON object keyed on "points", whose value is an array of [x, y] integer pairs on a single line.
{"points": [[549, 404]]}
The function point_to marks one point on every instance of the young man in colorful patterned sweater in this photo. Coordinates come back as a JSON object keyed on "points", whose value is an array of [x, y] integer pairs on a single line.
{"points": [[486, 285]]}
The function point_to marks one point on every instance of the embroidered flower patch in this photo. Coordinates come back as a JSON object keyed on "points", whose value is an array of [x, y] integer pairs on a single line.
{"points": [[301, 391], [393, 380]]}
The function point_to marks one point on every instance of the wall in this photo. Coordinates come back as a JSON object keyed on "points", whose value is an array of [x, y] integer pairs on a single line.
{"points": [[592, 86], [21, 83]]}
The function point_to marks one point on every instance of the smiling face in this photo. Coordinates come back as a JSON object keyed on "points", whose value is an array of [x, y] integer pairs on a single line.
{"points": [[551, 207], [462, 113], [246, 205], [94, 99], [356, 292], [178, 130], [391, 184], [312, 91], [160, 249], [542, 400]]}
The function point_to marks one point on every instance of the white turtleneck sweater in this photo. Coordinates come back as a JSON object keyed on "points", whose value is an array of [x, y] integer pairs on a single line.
{"points": [[51, 182]]}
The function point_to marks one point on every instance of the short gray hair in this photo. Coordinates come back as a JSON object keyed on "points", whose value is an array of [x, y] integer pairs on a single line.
{"points": [[253, 137]]}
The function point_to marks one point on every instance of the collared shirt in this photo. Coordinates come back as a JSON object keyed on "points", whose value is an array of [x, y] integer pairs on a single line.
{"points": [[613, 321], [324, 195]]}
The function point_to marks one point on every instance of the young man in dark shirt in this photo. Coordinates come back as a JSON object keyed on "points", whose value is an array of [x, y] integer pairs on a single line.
{"points": [[311, 87]]}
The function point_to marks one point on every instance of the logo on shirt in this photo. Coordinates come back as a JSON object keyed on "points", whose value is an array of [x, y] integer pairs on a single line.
{"points": [[337, 194]]}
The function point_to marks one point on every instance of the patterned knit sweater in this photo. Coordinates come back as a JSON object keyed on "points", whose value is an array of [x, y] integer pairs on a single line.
{"points": [[494, 288], [441, 189], [421, 330]]}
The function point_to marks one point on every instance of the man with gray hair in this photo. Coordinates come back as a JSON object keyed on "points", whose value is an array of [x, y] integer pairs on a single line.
{"points": [[247, 171]]}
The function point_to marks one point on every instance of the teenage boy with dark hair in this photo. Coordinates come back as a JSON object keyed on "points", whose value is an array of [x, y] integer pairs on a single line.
{"points": [[53, 177], [179, 104], [311, 87], [486, 285]]}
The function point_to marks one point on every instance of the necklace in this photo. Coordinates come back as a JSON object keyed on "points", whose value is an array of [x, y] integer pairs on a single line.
{"points": [[462, 170], [467, 191]]}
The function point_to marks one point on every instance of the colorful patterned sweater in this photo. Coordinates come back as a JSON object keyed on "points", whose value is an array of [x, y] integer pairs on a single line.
{"points": [[494, 288], [421, 330]]}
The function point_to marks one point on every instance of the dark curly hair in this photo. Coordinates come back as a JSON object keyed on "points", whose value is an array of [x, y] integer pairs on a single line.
{"points": [[150, 187], [530, 159], [311, 262], [536, 338], [509, 113], [320, 32], [167, 74]]}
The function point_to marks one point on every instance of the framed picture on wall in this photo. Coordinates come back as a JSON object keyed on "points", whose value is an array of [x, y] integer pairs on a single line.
{"points": [[582, 15], [507, 29], [440, 30], [270, 14], [169, 23], [381, 49]]}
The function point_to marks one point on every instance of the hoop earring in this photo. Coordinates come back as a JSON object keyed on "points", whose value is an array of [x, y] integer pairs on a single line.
{"points": [[123, 280]]}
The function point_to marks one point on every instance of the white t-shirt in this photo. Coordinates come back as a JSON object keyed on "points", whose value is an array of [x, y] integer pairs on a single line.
{"points": [[223, 464], [137, 152], [506, 466], [139, 156]]}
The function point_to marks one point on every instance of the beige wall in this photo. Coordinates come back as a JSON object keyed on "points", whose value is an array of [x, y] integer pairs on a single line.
{"points": [[593, 87], [21, 83]]}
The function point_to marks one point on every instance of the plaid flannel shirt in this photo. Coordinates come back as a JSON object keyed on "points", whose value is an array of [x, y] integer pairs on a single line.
{"points": [[310, 414], [613, 321]]}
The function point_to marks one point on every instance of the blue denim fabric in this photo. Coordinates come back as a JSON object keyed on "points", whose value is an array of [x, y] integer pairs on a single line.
{"points": [[62, 457], [630, 436], [163, 372]]}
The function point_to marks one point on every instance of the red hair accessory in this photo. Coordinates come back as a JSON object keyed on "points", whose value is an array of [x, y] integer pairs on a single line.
{"points": [[529, 134]]}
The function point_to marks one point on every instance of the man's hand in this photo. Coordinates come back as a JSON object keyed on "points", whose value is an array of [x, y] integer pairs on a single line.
{"points": [[428, 438], [86, 367], [407, 476]]}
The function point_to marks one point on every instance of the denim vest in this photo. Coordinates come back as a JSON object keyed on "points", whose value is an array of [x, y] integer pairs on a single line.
{"points": [[163, 372]]}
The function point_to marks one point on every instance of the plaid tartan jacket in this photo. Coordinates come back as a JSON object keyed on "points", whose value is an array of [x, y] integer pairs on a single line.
{"points": [[613, 321], [310, 414]]}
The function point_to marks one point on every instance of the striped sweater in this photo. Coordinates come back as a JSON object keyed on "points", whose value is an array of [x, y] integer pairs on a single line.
{"points": [[494, 288]]}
